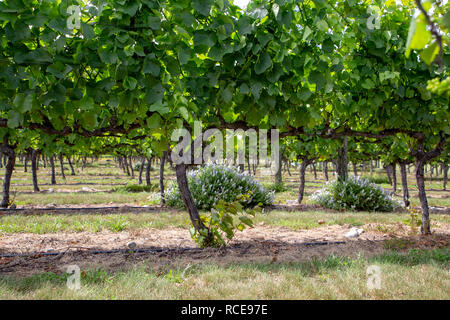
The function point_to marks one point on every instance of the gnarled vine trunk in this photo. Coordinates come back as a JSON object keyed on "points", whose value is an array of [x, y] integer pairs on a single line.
{"points": [[342, 160], [404, 183], [445, 172], [278, 174], [71, 166], [52, 166], [161, 176], [425, 229], [325, 170], [61, 163], [10, 154], [147, 172], [127, 168], [288, 166], [141, 170], [388, 169], [131, 166], [301, 188], [394, 177], [186, 196], [34, 155], [314, 171], [25, 162]]}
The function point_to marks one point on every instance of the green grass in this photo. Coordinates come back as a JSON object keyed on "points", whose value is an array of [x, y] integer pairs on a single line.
{"points": [[137, 188], [82, 198], [91, 222], [112, 222], [415, 275]]}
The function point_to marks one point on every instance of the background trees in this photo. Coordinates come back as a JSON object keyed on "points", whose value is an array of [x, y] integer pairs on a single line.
{"points": [[134, 71]]}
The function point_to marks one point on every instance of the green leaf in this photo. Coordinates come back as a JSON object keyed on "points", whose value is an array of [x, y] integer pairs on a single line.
{"points": [[446, 19], [184, 113], [227, 94], [14, 119], [151, 67], [130, 7], [244, 89], [256, 89], [203, 6], [184, 54], [204, 40], [23, 102], [306, 33], [322, 25], [38, 56], [154, 22], [59, 70], [418, 35], [154, 94], [89, 120], [246, 220], [160, 107], [108, 56], [388, 75], [154, 121], [368, 84], [88, 31], [216, 53], [129, 83], [317, 78], [264, 62], [192, 231], [285, 18], [60, 43], [328, 46], [129, 51], [305, 94], [429, 53], [244, 25]]}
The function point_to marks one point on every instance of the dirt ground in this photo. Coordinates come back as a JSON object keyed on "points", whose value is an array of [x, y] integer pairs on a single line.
{"points": [[174, 247]]}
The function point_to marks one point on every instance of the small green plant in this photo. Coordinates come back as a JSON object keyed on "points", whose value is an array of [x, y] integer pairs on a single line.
{"points": [[119, 224], [414, 220], [13, 199], [376, 179], [95, 276], [384, 229], [176, 276], [439, 255], [398, 244], [224, 219], [136, 188], [277, 187]]}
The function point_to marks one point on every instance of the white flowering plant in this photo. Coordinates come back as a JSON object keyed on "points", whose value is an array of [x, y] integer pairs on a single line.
{"points": [[213, 182], [356, 194]]}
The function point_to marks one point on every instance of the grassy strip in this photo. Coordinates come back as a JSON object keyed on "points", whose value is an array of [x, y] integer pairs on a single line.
{"points": [[82, 198], [415, 275], [127, 222]]}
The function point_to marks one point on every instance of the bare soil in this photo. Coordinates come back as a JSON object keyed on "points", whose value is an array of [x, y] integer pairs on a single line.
{"points": [[261, 244]]}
